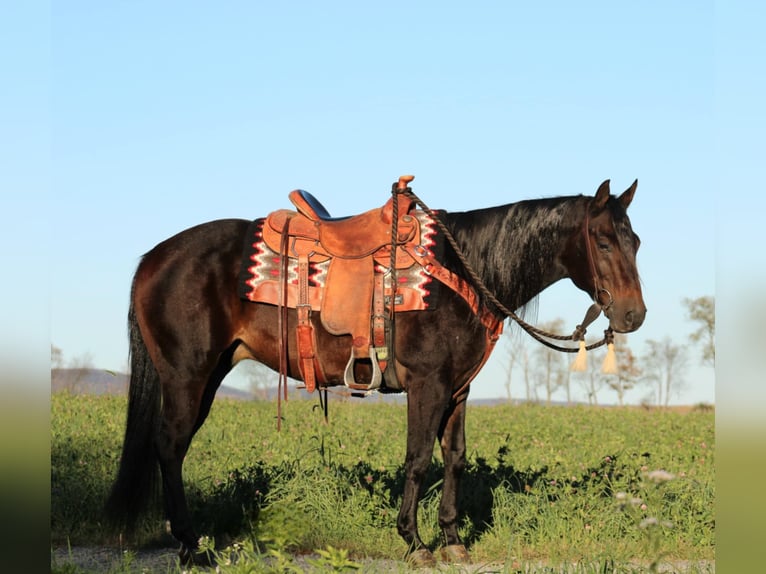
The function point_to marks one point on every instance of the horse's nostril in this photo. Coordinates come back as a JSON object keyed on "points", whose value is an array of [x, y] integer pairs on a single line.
{"points": [[629, 318]]}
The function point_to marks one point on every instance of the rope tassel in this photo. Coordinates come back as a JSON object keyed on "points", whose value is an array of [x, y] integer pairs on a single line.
{"points": [[610, 361], [580, 363]]}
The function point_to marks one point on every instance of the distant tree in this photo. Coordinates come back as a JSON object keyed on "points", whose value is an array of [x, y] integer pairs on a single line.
{"points": [[526, 370], [702, 312], [69, 375], [515, 355], [664, 367], [57, 357], [550, 367], [592, 379], [566, 381], [260, 377], [628, 371]]}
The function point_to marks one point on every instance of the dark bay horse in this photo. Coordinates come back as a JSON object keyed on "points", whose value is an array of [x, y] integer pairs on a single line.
{"points": [[188, 328]]}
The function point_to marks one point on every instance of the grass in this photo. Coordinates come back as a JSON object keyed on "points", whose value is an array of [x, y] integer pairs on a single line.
{"points": [[543, 485]]}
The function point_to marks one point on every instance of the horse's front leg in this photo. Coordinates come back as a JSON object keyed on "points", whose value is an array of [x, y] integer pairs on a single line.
{"points": [[426, 405], [452, 440]]}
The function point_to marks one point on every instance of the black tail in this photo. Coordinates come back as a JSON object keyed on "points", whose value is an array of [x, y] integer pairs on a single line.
{"points": [[136, 483]]}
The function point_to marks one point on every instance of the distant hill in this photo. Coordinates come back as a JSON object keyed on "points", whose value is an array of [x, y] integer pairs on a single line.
{"points": [[101, 382]]}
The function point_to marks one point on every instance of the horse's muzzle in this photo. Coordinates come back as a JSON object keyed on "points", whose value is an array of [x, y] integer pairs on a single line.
{"points": [[626, 318]]}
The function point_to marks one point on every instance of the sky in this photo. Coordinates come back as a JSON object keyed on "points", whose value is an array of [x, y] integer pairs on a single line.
{"points": [[160, 116]]}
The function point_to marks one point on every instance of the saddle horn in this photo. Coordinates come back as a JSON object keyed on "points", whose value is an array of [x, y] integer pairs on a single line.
{"points": [[403, 182]]}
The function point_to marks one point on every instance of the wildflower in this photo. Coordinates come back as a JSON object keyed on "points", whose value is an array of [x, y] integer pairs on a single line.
{"points": [[660, 476], [620, 496], [368, 479], [647, 522]]}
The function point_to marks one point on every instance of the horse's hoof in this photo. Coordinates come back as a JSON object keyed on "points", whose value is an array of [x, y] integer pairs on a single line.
{"points": [[455, 553], [194, 557], [185, 555], [421, 558]]}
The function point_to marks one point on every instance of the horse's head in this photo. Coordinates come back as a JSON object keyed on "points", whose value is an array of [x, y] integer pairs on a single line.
{"points": [[601, 259]]}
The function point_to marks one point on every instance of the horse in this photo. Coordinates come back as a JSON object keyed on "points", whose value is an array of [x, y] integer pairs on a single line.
{"points": [[188, 328]]}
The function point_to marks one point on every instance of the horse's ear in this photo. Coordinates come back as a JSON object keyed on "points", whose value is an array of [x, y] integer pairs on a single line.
{"points": [[602, 196], [627, 195]]}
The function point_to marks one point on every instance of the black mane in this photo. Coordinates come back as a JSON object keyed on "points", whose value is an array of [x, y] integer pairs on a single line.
{"points": [[513, 247]]}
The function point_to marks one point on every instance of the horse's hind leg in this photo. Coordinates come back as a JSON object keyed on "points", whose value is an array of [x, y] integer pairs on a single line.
{"points": [[452, 440], [185, 408], [176, 429]]}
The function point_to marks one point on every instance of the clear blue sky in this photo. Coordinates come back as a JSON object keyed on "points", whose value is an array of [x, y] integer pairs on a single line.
{"points": [[162, 115]]}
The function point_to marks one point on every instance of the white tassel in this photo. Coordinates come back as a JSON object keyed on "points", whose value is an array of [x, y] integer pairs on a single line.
{"points": [[580, 363], [610, 361]]}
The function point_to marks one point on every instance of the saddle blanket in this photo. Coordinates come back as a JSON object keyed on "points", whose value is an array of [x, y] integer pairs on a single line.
{"points": [[260, 272]]}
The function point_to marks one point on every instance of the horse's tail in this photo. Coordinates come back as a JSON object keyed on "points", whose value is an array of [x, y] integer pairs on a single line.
{"points": [[136, 483]]}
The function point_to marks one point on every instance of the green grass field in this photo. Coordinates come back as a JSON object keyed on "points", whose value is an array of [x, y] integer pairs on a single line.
{"points": [[548, 485]]}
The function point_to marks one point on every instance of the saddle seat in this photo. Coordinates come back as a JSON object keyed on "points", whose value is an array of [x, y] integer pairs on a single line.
{"points": [[314, 231], [310, 206]]}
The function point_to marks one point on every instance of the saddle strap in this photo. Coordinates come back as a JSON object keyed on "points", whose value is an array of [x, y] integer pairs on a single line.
{"points": [[379, 322], [304, 330], [492, 324], [426, 259], [282, 322], [491, 338], [308, 362]]}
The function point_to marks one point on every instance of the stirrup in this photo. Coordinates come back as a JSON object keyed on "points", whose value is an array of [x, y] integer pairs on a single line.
{"points": [[348, 374]]}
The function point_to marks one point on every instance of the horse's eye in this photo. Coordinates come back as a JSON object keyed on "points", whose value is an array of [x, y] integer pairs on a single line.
{"points": [[604, 246]]}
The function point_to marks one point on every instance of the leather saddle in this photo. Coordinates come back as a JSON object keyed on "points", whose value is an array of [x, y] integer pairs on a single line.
{"points": [[352, 300]]}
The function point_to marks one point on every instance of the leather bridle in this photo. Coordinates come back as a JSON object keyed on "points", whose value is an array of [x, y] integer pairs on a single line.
{"points": [[597, 288]]}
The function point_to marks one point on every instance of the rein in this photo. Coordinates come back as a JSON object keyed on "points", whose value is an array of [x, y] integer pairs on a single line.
{"points": [[538, 334]]}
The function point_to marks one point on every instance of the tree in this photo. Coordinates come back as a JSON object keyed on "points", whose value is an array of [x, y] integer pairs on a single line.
{"points": [[516, 354], [591, 380], [628, 371], [702, 312], [665, 363], [550, 369], [57, 357], [69, 375], [260, 377]]}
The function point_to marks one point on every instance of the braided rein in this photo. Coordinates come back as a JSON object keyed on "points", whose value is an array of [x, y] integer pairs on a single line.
{"points": [[536, 333]]}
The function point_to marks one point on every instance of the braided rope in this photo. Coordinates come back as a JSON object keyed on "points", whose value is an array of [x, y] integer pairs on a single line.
{"points": [[535, 332]]}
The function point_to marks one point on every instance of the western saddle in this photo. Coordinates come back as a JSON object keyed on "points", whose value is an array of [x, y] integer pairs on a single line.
{"points": [[354, 298]]}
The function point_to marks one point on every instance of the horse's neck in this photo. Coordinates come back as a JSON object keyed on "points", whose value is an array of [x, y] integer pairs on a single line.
{"points": [[516, 249]]}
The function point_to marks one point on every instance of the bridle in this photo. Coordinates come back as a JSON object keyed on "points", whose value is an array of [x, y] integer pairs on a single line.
{"points": [[597, 288]]}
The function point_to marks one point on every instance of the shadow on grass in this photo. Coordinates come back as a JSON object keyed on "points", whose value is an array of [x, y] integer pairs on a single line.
{"points": [[232, 507]]}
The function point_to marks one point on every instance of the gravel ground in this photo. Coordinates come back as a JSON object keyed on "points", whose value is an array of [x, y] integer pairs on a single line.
{"points": [[164, 561]]}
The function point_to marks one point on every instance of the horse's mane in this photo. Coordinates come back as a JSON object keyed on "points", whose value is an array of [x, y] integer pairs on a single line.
{"points": [[513, 247]]}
